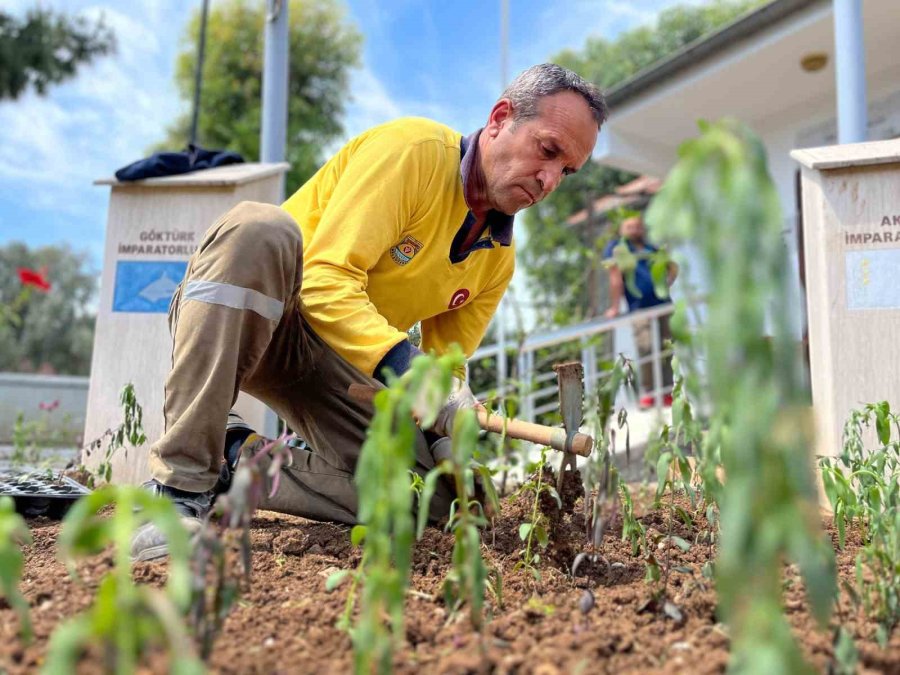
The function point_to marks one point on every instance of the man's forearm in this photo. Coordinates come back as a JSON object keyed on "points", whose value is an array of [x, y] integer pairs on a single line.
{"points": [[616, 288]]}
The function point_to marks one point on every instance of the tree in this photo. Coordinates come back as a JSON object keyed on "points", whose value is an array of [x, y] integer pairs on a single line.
{"points": [[54, 329], [46, 48], [323, 48], [563, 263]]}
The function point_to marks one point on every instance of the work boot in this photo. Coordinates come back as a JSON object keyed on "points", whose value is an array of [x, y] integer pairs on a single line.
{"points": [[149, 542], [237, 433]]}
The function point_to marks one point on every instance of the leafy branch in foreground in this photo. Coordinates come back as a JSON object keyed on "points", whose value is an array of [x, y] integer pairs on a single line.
{"points": [[125, 619], [466, 580], [13, 534], [386, 503], [864, 487], [720, 197]]}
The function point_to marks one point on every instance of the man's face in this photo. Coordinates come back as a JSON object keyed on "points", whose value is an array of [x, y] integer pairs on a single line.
{"points": [[525, 162], [633, 230]]}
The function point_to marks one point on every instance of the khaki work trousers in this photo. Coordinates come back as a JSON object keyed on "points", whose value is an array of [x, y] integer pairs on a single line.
{"points": [[236, 326]]}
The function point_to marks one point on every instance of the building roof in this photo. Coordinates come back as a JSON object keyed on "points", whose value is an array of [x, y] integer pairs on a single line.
{"points": [[634, 193], [640, 186], [707, 47], [753, 71]]}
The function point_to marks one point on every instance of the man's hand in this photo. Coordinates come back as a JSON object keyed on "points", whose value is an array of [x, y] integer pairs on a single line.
{"points": [[460, 398], [611, 313]]}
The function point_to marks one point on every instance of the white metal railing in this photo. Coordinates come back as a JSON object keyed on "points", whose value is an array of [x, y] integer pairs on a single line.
{"points": [[535, 383]]}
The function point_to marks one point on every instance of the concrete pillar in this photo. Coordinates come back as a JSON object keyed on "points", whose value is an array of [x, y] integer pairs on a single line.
{"points": [[153, 227], [851, 237]]}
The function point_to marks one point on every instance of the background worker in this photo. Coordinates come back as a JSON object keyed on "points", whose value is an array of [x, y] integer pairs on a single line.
{"points": [[409, 222], [633, 235]]}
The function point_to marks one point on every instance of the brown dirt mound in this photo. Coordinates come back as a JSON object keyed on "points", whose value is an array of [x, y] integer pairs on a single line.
{"points": [[285, 621]]}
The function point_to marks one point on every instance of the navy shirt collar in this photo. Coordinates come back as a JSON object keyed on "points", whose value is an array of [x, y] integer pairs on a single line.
{"points": [[500, 224]]}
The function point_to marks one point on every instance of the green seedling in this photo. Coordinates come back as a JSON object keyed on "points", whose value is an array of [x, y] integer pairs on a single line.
{"points": [[599, 476], [125, 620], [357, 536], [386, 504], [535, 532], [466, 581], [720, 197], [130, 432], [863, 487], [13, 535]]}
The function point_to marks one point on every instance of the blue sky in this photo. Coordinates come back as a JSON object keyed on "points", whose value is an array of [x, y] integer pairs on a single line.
{"points": [[437, 59]]}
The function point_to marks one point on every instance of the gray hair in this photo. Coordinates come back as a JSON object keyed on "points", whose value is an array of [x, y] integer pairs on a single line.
{"points": [[547, 79]]}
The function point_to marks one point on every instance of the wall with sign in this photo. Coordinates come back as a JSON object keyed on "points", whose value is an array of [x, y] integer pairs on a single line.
{"points": [[154, 226], [851, 220]]}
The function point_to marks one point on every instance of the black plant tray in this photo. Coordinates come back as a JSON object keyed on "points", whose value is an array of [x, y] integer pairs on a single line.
{"points": [[40, 493]]}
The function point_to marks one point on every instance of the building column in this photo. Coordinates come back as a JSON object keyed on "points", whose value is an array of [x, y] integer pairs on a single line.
{"points": [[273, 134], [850, 72]]}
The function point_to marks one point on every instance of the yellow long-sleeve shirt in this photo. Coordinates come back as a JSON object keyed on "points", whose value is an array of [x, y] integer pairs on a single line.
{"points": [[382, 222]]}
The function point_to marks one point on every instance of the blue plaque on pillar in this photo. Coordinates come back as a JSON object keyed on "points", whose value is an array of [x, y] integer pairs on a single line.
{"points": [[146, 286]]}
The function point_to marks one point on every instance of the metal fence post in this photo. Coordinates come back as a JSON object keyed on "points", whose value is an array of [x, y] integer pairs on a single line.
{"points": [[501, 350], [656, 360]]}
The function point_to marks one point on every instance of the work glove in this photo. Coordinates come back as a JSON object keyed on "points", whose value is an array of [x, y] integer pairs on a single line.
{"points": [[460, 398]]}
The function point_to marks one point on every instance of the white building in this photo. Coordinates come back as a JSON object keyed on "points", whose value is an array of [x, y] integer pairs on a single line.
{"points": [[774, 69]]}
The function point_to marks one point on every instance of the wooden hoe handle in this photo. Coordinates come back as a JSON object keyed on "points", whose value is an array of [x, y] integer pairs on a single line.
{"points": [[554, 437]]}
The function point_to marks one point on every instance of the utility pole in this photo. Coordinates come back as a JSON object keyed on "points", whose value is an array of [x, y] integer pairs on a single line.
{"points": [[198, 71], [504, 43], [273, 134]]}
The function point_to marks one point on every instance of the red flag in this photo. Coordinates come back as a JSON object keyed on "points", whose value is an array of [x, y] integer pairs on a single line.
{"points": [[34, 278]]}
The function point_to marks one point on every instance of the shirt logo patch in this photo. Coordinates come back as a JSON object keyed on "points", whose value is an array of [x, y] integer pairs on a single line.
{"points": [[459, 298], [406, 250]]}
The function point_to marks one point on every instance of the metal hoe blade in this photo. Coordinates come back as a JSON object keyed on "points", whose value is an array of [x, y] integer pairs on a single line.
{"points": [[571, 405]]}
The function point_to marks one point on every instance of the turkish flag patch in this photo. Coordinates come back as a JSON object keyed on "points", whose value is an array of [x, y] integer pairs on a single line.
{"points": [[459, 298]]}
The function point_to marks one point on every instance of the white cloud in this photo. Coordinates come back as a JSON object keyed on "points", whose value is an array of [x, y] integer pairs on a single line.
{"points": [[371, 103], [53, 147]]}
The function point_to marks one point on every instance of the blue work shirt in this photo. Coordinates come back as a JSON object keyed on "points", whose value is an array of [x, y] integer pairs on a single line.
{"points": [[643, 280]]}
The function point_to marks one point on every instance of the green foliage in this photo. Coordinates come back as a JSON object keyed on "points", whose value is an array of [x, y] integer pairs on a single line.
{"points": [[535, 532], [386, 503], [31, 438], [563, 262], [323, 48], [54, 330], [610, 62], [13, 534], [45, 48], [600, 477], [130, 431], [720, 197], [864, 488], [466, 580], [633, 531], [125, 620], [357, 537]]}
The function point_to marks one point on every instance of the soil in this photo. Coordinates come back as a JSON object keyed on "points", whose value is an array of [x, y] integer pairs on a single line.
{"points": [[605, 620]]}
